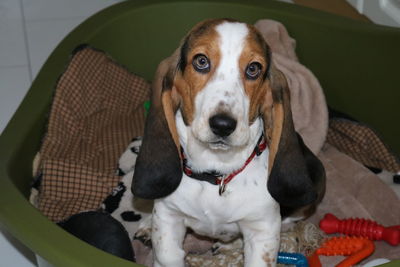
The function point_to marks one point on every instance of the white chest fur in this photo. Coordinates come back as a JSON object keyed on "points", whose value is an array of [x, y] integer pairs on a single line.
{"points": [[207, 213]]}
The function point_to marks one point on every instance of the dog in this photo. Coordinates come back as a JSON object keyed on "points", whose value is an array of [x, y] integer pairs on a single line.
{"points": [[220, 154]]}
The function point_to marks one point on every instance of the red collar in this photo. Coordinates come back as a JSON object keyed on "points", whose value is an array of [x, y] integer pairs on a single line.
{"points": [[215, 177]]}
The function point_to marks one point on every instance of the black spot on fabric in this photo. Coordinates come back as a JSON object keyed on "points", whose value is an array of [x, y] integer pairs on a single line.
{"points": [[136, 139], [111, 203], [373, 169], [396, 178], [130, 216], [120, 172], [38, 181], [135, 150]]}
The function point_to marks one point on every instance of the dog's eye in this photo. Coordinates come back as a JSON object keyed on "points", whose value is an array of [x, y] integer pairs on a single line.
{"points": [[253, 70], [201, 63]]}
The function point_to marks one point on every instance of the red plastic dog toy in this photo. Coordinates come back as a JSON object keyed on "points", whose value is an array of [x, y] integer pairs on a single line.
{"points": [[360, 227]]}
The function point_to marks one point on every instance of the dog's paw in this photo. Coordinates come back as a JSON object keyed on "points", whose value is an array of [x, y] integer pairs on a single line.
{"points": [[143, 234], [221, 247], [127, 160]]}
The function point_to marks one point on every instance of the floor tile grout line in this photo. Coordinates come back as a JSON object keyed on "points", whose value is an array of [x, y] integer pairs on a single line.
{"points": [[26, 40], [14, 66]]}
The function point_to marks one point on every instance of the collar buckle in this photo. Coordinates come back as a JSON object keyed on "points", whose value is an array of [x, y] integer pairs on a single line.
{"points": [[222, 185]]}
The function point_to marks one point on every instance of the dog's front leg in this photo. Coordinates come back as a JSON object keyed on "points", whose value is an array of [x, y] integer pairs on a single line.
{"points": [[261, 242], [168, 232]]}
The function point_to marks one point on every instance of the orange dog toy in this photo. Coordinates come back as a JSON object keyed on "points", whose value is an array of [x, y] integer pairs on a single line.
{"points": [[357, 248]]}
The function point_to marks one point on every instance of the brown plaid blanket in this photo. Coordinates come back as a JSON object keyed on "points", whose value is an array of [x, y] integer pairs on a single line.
{"points": [[97, 109], [362, 144]]}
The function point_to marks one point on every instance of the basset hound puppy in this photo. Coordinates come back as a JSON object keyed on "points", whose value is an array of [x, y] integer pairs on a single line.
{"points": [[220, 154]]}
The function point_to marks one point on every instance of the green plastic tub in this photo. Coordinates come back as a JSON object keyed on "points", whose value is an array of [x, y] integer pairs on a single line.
{"points": [[357, 64]]}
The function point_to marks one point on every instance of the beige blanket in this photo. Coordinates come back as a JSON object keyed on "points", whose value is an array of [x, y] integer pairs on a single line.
{"points": [[309, 109]]}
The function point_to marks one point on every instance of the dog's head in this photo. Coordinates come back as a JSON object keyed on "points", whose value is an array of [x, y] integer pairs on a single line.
{"points": [[222, 80]]}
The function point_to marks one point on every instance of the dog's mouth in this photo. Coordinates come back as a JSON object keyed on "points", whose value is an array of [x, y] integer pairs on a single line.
{"points": [[219, 144]]}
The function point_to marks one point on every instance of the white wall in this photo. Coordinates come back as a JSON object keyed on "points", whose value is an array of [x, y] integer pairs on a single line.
{"points": [[385, 12]]}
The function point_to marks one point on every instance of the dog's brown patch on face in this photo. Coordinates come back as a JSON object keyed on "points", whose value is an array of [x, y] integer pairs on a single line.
{"points": [[203, 39], [255, 50]]}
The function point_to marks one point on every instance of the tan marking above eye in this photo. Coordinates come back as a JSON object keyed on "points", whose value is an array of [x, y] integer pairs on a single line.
{"points": [[192, 82], [255, 89]]}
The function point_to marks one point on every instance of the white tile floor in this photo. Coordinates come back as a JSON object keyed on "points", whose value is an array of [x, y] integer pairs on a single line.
{"points": [[29, 31]]}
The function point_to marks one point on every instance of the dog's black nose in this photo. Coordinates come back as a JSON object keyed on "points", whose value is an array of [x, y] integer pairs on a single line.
{"points": [[222, 125]]}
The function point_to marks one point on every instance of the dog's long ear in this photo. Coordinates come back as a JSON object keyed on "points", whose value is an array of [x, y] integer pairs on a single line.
{"points": [[292, 171], [158, 169]]}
